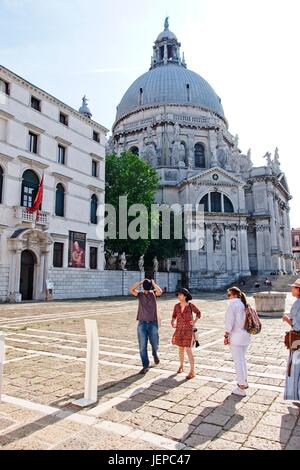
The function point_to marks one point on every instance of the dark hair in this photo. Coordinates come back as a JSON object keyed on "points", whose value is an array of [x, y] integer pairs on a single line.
{"points": [[186, 293], [239, 294], [147, 284]]}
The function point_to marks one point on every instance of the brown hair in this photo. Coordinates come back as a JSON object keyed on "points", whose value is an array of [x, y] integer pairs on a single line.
{"points": [[239, 294]]}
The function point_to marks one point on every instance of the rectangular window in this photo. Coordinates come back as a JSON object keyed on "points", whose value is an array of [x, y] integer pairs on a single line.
{"points": [[35, 103], [33, 143], [93, 257], [58, 255], [63, 118], [4, 87], [61, 158], [96, 136], [215, 199], [95, 166]]}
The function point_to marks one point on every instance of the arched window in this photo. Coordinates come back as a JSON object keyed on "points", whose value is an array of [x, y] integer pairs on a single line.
{"points": [[217, 202], [30, 186], [60, 200], [199, 156], [1, 184], [134, 150], [228, 206], [94, 206]]}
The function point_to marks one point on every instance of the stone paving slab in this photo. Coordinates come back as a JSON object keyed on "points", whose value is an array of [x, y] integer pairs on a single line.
{"points": [[45, 368]]}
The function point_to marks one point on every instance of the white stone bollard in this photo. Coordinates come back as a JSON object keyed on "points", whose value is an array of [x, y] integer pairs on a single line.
{"points": [[92, 362], [2, 356]]}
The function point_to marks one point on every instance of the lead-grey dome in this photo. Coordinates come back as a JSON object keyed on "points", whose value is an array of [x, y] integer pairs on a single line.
{"points": [[166, 34], [170, 84]]}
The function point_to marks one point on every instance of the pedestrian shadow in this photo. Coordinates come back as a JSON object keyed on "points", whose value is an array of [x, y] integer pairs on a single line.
{"points": [[145, 395], [108, 388], [209, 424], [288, 422], [64, 411]]}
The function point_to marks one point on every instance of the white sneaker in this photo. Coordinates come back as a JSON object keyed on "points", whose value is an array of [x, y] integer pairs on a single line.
{"points": [[239, 391]]}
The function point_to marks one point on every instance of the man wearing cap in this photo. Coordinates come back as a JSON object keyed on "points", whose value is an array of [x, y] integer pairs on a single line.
{"points": [[292, 384], [147, 318]]}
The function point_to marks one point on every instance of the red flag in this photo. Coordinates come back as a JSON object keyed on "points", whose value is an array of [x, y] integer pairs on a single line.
{"points": [[38, 199]]}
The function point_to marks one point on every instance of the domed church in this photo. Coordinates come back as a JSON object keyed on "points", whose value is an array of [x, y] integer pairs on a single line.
{"points": [[173, 119]]}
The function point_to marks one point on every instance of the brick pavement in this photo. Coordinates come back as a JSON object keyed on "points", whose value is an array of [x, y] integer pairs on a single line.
{"points": [[45, 367]]}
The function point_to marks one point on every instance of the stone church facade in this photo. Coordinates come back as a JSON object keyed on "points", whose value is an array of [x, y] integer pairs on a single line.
{"points": [[173, 119]]}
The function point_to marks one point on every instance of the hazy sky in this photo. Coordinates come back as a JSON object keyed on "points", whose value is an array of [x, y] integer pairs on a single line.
{"points": [[247, 50]]}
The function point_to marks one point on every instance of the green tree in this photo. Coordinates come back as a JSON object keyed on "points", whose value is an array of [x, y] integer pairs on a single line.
{"points": [[130, 176]]}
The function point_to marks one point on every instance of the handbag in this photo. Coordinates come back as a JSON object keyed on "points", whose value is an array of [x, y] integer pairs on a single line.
{"points": [[196, 339], [292, 340], [252, 321]]}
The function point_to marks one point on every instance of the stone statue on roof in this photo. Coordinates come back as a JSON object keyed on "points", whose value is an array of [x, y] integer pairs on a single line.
{"points": [[267, 156], [166, 23]]}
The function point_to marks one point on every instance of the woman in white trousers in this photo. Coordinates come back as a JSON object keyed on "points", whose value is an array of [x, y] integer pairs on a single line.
{"points": [[237, 337]]}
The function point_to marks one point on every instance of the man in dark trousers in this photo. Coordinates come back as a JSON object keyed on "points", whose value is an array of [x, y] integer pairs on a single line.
{"points": [[147, 318]]}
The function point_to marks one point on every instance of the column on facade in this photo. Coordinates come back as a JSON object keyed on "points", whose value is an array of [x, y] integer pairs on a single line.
{"points": [[268, 253], [40, 269], [277, 217], [244, 268], [288, 241], [272, 221], [210, 249], [15, 271], [260, 248], [228, 249]]}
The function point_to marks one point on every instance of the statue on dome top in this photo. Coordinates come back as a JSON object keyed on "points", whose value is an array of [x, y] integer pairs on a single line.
{"points": [[166, 24]]}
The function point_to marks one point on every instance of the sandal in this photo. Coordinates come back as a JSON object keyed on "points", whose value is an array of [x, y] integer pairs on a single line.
{"points": [[190, 376], [180, 370]]}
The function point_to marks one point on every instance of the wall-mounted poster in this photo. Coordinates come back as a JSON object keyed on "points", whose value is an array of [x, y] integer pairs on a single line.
{"points": [[77, 244]]}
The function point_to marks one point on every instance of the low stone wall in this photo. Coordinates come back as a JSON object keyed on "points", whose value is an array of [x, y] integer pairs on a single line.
{"points": [[81, 283], [270, 304], [4, 281]]}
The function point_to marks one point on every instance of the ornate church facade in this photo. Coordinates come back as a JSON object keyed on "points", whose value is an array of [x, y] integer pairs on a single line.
{"points": [[173, 119]]}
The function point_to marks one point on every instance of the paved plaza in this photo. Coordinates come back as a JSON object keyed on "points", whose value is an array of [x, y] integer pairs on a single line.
{"points": [[45, 368]]}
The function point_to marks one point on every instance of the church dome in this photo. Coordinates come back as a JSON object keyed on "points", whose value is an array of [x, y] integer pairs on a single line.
{"points": [[171, 84], [166, 34]]}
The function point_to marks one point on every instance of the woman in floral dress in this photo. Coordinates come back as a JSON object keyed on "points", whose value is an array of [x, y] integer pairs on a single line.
{"points": [[183, 321]]}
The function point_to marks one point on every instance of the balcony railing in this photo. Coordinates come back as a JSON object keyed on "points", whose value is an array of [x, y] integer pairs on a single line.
{"points": [[23, 216]]}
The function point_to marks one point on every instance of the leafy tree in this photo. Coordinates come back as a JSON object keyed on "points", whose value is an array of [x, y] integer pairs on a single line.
{"points": [[130, 176]]}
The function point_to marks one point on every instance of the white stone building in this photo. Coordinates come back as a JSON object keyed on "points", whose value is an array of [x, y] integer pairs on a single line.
{"points": [[40, 135], [173, 119]]}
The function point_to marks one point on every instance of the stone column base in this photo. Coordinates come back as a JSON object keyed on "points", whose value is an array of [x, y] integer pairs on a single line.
{"points": [[15, 298]]}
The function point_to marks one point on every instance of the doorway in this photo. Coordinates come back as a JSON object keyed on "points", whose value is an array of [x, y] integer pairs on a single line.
{"points": [[27, 275]]}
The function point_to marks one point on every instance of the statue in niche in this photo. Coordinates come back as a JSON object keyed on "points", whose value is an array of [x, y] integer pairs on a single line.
{"points": [[217, 239], [155, 264], [202, 244], [150, 154], [141, 263], [176, 131], [233, 244], [149, 134], [182, 153], [168, 265], [176, 153], [123, 261]]}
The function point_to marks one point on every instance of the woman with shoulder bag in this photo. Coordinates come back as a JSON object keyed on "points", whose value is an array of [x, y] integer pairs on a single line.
{"points": [[182, 320], [237, 337], [292, 383]]}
